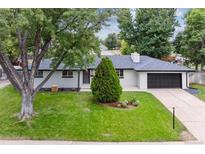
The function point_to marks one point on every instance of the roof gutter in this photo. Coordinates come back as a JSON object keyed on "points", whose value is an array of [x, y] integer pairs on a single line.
{"points": [[165, 70]]}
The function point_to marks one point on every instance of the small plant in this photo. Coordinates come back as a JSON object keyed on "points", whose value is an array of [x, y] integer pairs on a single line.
{"points": [[135, 104], [132, 101]]}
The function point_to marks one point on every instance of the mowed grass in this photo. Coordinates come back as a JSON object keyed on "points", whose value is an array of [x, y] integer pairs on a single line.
{"points": [[77, 116], [201, 88]]}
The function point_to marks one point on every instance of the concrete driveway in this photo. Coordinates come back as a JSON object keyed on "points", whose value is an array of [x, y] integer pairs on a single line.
{"points": [[189, 109]]}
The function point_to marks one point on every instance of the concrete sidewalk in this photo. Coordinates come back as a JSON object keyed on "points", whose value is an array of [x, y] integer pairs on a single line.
{"points": [[189, 109], [4, 83], [41, 142]]}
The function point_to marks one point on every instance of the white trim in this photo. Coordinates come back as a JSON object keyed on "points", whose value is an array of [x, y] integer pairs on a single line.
{"points": [[183, 75]]}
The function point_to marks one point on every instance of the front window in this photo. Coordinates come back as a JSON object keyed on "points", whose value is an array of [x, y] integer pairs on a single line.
{"points": [[120, 73], [67, 74], [39, 74]]}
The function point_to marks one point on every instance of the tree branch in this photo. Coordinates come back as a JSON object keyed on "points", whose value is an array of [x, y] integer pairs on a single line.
{"points": [[43, 51], [61, 30], [24, 58], [45, 47], [37, 48], [11, 72], [50, 73]]}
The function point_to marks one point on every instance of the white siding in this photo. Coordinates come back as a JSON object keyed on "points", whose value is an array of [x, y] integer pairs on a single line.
{"points": [[188, 79], [143, 80], [184, 80], [56, 78], [130, 79], [81, 78], [138, 78]]}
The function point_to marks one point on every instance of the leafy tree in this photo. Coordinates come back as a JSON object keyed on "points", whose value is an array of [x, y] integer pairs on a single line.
{"points": [[11, 49], [105, 84], [177, 43], [149, 33], [194, 37], [126, 25], [125, 49], [111, 42], [65, 35]]}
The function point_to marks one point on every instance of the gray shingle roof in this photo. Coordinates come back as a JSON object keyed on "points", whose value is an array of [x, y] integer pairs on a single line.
{"points": [[118, 61], [153, 64], [46, 65], [125, 62], [146, 64]]}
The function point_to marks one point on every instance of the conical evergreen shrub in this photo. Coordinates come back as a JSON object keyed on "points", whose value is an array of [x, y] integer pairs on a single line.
{"points": [[105, 84]]}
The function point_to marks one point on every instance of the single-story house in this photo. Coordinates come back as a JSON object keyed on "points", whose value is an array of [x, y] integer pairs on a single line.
{"points": [[134, 71]]}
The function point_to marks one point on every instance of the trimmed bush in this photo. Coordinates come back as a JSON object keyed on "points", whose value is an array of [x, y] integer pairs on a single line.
{"points": [[105, 84]]}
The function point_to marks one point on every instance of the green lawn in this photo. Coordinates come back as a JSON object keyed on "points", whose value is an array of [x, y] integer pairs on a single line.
{"points": [[66, 116], [201, 89]]}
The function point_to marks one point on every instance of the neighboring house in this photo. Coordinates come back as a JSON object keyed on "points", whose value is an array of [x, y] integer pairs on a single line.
{"points": [[104, 51], [110, 52], [174, 58], [134, 71], [103, 47], [2, 74]]}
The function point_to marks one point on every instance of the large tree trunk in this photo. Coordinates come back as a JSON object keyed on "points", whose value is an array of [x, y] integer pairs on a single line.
{"points": [[196, 67], [27, 106], [202, 67]]}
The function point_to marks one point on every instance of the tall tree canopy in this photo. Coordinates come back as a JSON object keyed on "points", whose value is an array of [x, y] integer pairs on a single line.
{"points": [[126, 25], [193, 38], [177, 43], [149, 32], [66, 35], [111, 42]]}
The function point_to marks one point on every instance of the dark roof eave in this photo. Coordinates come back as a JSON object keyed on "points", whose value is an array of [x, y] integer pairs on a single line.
{"points": [[77, 69], [122, 68]]}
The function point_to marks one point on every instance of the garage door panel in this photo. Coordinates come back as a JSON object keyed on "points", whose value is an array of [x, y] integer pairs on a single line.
{"points": [[164, 80]]}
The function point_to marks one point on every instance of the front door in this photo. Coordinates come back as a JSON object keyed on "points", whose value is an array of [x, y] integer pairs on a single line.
{"points": [[86, 77]]}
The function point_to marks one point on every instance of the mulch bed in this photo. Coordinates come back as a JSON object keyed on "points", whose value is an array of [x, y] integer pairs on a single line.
{"points": [[118, 105]]}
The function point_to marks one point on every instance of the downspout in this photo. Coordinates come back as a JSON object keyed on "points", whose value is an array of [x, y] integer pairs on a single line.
{"points": [[187, 80], [78, 80]]}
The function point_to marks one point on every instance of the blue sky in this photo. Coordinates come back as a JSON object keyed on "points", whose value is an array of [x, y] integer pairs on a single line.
{"points": [[113, 28]]}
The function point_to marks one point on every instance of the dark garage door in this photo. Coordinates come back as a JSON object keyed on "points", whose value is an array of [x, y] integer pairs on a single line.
{"points": [[164, 80]]}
